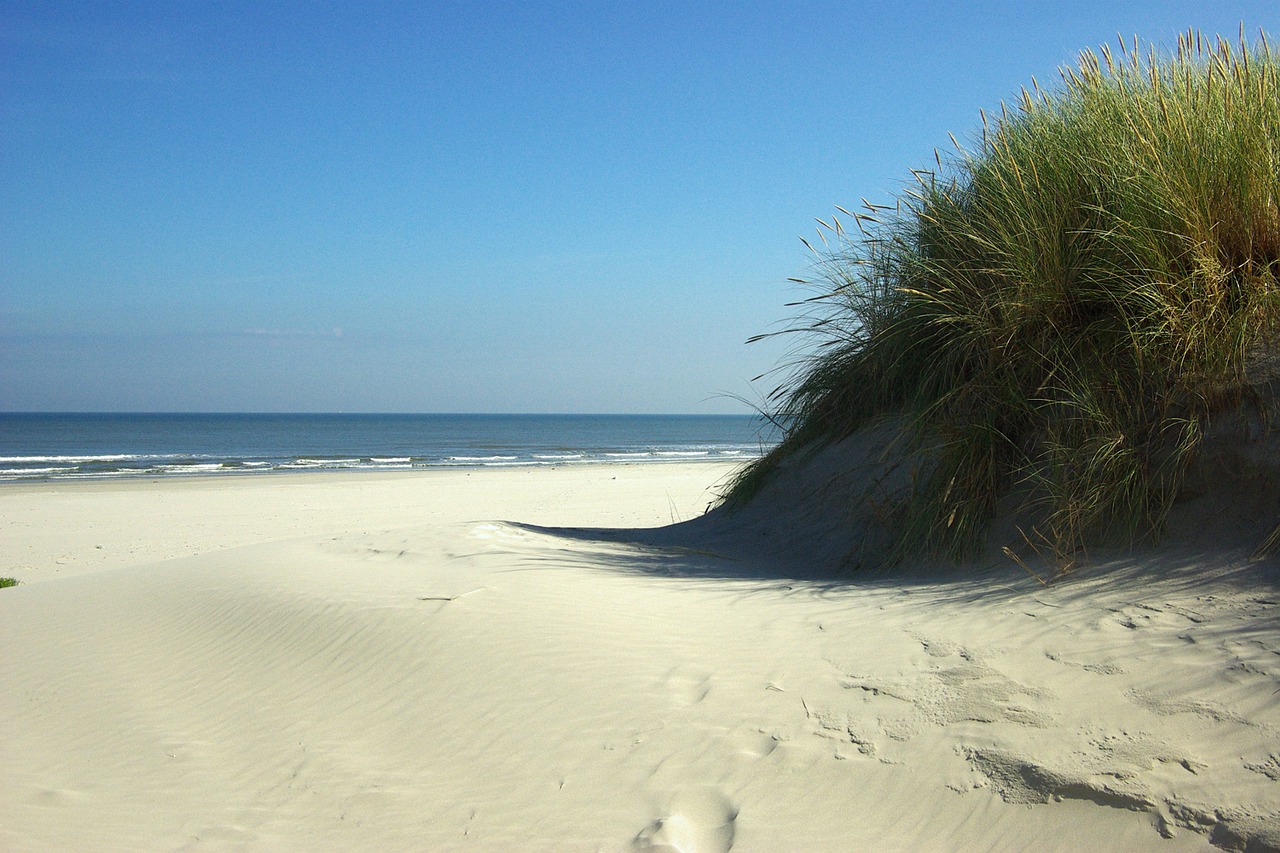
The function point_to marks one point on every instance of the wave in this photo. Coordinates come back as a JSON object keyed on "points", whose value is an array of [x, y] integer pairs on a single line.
{"points": [[320, 463], [190, 468], [132, 465]]}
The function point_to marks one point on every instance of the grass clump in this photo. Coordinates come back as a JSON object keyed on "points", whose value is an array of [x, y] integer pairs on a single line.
{"points": [[1058, 314], [8, 582]]}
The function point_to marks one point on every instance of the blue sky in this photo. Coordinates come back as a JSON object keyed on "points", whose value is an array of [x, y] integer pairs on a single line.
{"points": [[491, 207]]}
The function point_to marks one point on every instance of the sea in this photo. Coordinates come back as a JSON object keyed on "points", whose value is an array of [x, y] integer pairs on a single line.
{"points": [[62, 446]]}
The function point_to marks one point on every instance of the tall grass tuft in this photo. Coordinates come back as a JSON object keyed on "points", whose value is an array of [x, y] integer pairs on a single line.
{"points": [[1059, 313]]}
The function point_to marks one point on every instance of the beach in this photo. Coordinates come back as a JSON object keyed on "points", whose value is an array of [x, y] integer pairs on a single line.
{"points": [[456, 660]]}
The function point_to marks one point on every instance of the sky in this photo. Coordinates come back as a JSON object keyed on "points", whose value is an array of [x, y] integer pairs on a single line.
{"points": [[473, 206]]}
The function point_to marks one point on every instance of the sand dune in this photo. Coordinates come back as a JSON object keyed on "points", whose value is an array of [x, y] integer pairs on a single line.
{"points": [[392, 663]]}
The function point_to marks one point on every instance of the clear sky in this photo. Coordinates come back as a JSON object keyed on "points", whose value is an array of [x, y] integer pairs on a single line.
{"points": [[475, 206]]}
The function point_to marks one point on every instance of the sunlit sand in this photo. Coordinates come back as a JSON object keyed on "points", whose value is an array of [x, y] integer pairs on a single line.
{"points": [[422, 662]]}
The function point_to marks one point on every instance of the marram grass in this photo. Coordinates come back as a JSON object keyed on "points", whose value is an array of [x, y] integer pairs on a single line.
{"points": [[1058, 314]]}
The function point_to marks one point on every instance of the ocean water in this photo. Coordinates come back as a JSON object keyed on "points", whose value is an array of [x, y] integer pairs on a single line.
{"points": [[71, 446]]}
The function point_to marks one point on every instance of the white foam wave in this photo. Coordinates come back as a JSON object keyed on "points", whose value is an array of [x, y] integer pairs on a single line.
{"points": [[114, 474], [320, 463]]}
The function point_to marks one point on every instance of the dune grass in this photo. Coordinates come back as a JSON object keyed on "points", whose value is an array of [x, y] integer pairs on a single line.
{"points": [[1057, 314]]}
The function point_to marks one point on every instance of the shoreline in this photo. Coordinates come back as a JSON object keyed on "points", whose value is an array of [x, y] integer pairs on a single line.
{"points": [[151, 477], [391, 473], [379, 469], [374, 661], [52, 527]]}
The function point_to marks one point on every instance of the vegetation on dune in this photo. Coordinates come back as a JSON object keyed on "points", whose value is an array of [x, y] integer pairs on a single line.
{"points": [[1058, 314], [7, 582]]}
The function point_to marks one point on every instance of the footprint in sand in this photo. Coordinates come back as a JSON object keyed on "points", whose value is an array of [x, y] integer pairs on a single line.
{"points": [[961, 692], [56, 797], [1137, 616], [688, 686], [699, 820], [754, 743], [1168, 704], [1096, 668]]}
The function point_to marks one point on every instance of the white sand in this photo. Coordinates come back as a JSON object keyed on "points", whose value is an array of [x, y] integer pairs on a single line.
{"points": [[379, 662]]}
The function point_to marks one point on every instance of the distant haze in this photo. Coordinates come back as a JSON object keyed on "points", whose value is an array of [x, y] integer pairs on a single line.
{"points": [[466, 207]]}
